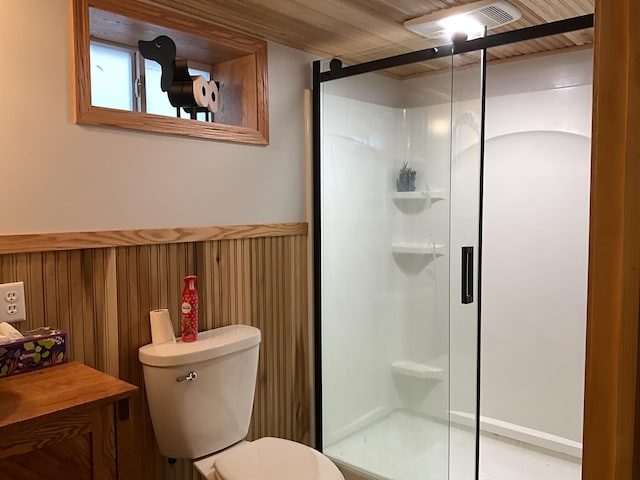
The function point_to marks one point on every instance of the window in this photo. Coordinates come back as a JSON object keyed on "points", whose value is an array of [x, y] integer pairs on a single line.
{"points": [[116, 82], [112, 76]]}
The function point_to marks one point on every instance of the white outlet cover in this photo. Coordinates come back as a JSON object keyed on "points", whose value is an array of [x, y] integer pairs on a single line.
{"points": [[12, 309]]}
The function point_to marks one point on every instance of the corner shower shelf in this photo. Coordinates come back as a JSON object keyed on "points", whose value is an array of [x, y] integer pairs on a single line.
{"points": [[417, 370], [434, 250], [433, 195]]}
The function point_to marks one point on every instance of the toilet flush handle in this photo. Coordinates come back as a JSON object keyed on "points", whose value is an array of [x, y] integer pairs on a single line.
{"points": [[187, 378]]}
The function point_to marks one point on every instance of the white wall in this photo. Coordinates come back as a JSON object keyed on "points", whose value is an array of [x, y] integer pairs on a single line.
{"points": [[65, 177], [535, 252], [535, 232], [358, 322], [380, 307]]}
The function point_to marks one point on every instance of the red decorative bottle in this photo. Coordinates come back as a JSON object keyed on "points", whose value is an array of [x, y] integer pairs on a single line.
{"points": [[189, 310]]}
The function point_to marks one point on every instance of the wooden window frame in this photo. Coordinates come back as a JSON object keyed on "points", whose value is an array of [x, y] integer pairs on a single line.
{"points": [[244, 68]]}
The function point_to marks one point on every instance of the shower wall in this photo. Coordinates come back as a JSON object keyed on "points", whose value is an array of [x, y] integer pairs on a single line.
{"points": [[535, 250], [386, 307], [361, 333]]}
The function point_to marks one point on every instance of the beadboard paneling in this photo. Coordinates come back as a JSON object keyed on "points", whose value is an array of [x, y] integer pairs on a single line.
{"points": [[149, 277], [261, 282], [102, 297], [66, 290]]}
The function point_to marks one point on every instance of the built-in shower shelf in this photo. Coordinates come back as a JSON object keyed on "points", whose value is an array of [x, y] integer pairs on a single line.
{"points": [[417, 370], [409, 195], [431, 195], [434, 250]]}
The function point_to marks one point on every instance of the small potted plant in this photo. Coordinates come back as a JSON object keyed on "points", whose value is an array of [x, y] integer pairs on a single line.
{"points": [[406, 181]]}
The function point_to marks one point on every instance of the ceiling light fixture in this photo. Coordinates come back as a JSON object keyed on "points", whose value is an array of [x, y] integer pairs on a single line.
{"points": [[470, 19]]}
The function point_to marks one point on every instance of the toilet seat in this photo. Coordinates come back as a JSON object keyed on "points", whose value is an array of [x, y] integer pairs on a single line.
{"points": [[271, 458]]}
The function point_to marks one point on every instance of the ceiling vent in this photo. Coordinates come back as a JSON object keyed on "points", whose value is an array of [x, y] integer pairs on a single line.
{"points": [[470, 19]]}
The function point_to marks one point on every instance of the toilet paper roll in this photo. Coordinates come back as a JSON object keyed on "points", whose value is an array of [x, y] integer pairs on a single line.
{"points": [[214, 95], [10, 332], [161, 327], [201, 91]]}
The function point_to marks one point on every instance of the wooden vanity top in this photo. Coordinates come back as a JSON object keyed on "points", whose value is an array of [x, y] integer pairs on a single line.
{"points": [[55, 389]]}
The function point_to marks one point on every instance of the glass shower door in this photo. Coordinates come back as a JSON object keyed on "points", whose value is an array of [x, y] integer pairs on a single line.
{"points": [[467, 132], [394, 177]]}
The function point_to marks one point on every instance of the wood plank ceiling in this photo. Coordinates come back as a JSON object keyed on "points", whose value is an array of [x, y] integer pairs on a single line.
{"points": [[357, 31]]}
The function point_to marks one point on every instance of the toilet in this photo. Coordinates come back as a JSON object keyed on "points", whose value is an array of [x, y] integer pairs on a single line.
{"points": [[200, 397]]}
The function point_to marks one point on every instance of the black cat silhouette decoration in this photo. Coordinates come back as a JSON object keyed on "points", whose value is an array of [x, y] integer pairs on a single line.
{"points": [[193, 93]]}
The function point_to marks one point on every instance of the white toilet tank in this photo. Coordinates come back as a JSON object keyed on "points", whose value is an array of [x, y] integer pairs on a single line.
{"points": [[200, 394]]}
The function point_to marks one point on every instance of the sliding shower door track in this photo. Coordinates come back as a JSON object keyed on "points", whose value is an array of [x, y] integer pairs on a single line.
{"points": [[505, 38]]}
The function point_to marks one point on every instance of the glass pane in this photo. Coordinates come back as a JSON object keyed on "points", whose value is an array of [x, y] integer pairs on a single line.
{"points": [[385, 176], [536, 235], [466, 140], [111, 77], [157, 100]]}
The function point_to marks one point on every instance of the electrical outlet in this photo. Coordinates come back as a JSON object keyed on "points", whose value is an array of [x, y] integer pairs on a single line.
{"points": [[14, 309]]}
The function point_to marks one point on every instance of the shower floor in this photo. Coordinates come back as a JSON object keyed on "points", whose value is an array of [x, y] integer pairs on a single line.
{"points": [[403, 446]]}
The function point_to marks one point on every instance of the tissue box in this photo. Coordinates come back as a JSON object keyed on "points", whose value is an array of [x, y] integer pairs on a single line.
{"points": [[39, 348]]}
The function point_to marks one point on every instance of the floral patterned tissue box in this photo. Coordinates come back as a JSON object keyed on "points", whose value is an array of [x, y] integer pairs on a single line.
{"points": [[39, 348]]}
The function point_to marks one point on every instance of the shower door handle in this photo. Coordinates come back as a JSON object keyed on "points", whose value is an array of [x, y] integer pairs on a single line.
{"points": [[467, 275]]}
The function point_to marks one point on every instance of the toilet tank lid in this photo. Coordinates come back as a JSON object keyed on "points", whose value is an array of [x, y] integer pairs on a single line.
{"points": [[210, 344]]}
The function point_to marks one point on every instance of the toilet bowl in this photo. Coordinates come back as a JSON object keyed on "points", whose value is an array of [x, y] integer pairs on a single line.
{"points": [[200, 397], [268, 458]]}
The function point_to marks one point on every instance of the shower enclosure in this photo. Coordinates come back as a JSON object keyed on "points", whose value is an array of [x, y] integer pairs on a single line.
{"points": [[393, 362], [398, 167]]}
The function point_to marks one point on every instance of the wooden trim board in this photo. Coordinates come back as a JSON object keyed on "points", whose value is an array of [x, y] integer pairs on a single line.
{"points": [[46, 242], [612, 402]]}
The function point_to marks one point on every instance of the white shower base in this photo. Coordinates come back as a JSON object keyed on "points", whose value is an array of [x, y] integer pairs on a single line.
{"points": [[403, 446]]}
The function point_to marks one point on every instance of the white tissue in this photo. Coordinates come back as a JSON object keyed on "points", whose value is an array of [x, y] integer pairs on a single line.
{"points": [[161, 327], [214, 96], [3, 339], [200, 91], [8, 331]]}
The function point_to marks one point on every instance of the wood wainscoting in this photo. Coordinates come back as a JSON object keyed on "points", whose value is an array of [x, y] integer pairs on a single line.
{"points": [[102, 296]]}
